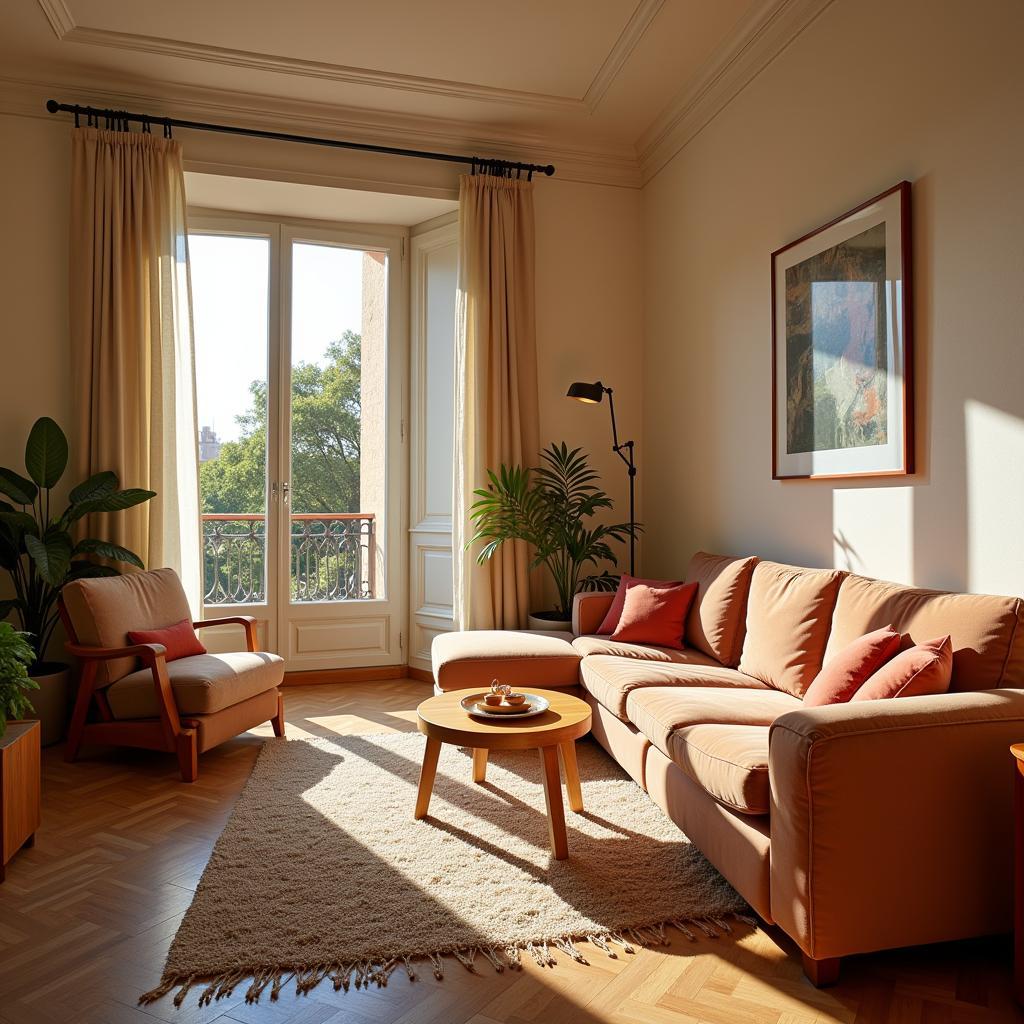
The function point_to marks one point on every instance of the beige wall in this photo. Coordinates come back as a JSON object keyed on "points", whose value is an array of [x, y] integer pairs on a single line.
{"points": [[873, 92]]}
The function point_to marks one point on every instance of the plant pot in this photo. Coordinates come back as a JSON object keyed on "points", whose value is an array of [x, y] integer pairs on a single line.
{"points": [[52, 701], [550, 622]]}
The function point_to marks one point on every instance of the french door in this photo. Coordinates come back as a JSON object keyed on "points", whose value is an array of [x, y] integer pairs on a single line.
{"points": [[300, 370]]}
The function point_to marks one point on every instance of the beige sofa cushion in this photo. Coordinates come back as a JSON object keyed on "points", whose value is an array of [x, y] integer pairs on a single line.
{"points": [[658, 711], [611, 680], [588, 645], [102, 611], [716, 620], [789, 614], [201, 685], [517, 657], [730, 762], [987, 631]]}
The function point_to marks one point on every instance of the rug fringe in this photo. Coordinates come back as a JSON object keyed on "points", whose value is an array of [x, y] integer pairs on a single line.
{"points": [[364, 973]]}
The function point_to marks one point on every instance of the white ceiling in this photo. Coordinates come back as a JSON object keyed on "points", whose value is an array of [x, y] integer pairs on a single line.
{"points": [[311, 202], [594, 83]]}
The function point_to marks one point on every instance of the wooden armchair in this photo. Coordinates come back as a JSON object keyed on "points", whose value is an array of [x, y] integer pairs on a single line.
{"points": [[185, 706]]}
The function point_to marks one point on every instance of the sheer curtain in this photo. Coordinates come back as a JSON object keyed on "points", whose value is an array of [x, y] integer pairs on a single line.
{"points": [[131, 339], [496, 415]]}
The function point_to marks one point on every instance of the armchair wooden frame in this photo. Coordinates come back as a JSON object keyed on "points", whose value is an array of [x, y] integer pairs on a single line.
{"points": [[170, 732]]}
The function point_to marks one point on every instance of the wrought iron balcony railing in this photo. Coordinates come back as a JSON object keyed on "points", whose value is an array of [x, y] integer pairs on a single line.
{"points": [[332, 557]]}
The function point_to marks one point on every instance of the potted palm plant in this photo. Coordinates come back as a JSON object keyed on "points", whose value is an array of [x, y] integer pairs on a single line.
{"points": [[550, 507], [40, 555]]}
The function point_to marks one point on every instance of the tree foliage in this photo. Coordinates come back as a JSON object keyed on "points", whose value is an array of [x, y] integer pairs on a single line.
{"points": [[325, 446]]}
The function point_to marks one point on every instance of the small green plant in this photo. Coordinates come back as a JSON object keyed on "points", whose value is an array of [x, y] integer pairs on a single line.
{"points": [[36, 546], [16, 655], [549, 507]]}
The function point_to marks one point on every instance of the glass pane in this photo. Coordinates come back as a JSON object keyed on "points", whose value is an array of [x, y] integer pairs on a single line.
{"points": [[230, 306], [337, 430]]}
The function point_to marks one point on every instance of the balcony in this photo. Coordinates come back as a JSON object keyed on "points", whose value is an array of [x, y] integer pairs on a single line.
{"points": [[332, 557]]}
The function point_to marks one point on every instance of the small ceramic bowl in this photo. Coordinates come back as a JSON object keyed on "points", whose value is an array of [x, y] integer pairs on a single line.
{"points": [[492, 699], [515, 699]]}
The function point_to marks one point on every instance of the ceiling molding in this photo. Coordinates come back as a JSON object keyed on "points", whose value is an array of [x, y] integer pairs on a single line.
{"points": [[640, 20], [67, 30], [610, 165], [756, 42]]}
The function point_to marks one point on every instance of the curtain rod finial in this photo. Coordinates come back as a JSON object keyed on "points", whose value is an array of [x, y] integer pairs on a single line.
{"points": [[549, 170], [52, 106]]}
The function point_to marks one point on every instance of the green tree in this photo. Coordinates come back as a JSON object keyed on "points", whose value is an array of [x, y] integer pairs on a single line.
{"points": [[325, 441]]}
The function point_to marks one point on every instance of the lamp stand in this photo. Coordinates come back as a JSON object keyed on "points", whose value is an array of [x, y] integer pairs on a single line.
{"points": [[625, 452]]}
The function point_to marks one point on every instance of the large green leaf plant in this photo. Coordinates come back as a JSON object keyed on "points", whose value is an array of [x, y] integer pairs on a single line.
{"points": [[16, 655], [550, 507], [37, 549]]}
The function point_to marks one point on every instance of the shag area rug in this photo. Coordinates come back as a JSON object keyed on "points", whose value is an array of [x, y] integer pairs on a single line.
{"points": [[322, 873]]}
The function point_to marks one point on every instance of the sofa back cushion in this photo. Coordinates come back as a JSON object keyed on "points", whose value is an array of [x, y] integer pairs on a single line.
{"points": [[789, 613], [987, 632], [716, 621], [103, 610]]}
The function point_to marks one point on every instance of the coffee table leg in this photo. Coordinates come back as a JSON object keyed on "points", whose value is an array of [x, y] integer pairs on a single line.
{"points": [[479, 764], [572, 775], [427, 773], [553, 799]]}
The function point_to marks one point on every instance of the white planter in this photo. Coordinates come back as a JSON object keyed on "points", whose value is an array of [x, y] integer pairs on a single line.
{"points": [[52, 701], [547, 625]]}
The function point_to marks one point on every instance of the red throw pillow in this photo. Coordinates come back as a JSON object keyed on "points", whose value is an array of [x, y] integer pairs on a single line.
{"points": [[851, 667], [180, 639], [611, 619], [655, 615], [926, 668]]}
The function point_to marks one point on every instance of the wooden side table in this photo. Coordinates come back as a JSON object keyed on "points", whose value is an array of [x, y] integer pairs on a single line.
{"points": [[20, 789], [442, 720]]}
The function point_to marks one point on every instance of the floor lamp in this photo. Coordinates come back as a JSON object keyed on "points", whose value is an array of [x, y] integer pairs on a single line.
{"points": [[592, 394]]}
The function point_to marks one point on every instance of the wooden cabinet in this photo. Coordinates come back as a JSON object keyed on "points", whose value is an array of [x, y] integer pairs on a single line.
{"points": [[19, 789]]}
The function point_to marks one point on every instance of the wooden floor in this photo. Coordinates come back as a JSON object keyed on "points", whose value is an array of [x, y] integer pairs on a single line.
{"points": [[87, 915]]}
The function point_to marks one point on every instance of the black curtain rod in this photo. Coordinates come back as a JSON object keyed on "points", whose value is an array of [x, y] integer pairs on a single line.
{"points": [[123, 117]]}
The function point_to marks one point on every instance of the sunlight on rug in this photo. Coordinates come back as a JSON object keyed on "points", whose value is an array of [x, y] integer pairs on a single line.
{"points": [[322, 873]]}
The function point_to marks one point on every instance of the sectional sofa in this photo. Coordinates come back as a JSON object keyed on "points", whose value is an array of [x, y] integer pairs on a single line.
{"points": [[853, 827]]}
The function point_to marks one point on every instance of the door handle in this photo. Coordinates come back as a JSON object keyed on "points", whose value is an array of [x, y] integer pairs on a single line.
{"points": [[285, 491]]}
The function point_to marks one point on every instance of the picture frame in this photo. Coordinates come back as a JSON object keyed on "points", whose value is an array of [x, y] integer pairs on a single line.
{"points": [[842, 346]]}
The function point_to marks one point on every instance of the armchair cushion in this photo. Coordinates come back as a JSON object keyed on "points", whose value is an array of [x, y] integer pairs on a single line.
{"points": [[201, 685], [103, 610], [180, 639]]}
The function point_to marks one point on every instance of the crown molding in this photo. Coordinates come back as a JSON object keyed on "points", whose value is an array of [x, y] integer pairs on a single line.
{"points": [[773, 25], [611, 165], [640, 21], [62, 21]]}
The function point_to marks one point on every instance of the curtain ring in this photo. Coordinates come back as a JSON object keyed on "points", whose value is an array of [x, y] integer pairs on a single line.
{"points": [[77, 125], [167, 128]]}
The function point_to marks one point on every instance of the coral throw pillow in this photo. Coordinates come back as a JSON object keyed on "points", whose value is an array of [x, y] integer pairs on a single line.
{"points": [[180, 639], [655, 615], [851, 667], [611, 619], [926, 668]]}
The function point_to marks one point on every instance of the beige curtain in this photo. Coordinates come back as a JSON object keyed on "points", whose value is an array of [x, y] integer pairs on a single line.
{"points": [[496, 419], [131, 339]]}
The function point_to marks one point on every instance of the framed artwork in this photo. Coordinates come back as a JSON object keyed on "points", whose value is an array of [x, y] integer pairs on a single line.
{"points": [[842, 389]]}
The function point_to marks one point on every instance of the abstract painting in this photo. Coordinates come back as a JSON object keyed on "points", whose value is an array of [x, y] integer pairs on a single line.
{"points": [[841, 345]]}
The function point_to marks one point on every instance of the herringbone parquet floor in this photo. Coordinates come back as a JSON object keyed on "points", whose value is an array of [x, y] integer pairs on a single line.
{"points": [[87, 915]]}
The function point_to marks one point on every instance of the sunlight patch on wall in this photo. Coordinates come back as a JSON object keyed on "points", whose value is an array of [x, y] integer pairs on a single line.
{"points": [[995, 496], [873, 532]]}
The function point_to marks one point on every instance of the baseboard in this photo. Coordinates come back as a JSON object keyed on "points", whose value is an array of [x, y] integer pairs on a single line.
{"points": [[348, 675], [421, 675]]}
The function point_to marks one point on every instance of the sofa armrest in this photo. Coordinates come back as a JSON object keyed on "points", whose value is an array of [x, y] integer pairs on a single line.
{"points": [[892, 820], [589, 610]]}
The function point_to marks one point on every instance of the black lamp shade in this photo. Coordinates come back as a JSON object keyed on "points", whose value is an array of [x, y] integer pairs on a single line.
{"points": [[592, 393]]}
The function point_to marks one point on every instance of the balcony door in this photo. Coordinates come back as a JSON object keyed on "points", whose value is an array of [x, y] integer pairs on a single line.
{"points": [[299, 373]]}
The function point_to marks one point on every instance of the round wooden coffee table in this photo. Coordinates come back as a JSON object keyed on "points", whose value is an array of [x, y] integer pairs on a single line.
{"points": [[442, 720]]}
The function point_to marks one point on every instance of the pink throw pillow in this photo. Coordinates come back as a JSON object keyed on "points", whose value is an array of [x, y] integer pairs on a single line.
{"points": [[611, 619], [180, 640], [851, 667], [655, 615], [926, 668]]}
